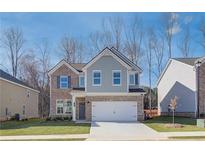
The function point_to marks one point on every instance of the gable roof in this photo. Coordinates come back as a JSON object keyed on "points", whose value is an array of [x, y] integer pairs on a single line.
{"points": [[189, 61], [74, 67], [78, 66], [117, 55], [10, 78], [124, 58]]}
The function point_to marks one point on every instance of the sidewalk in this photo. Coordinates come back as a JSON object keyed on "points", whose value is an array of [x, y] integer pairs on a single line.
{"points": [[160, 136], [32, 137], [174, 134]]}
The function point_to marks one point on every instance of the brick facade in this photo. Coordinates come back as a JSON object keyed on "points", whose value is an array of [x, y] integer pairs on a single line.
{"points": [[57, 93], [202, 89], [77, 102]]}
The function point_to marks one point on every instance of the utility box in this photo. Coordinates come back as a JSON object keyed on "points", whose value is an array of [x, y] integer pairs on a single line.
{"points": [[201, 123]]}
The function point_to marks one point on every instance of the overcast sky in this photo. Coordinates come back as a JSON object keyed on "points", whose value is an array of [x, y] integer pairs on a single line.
{"points": [[53, 26]]}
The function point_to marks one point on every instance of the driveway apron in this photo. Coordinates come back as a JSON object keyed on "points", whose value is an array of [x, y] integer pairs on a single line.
{"points": [[123, 131]]}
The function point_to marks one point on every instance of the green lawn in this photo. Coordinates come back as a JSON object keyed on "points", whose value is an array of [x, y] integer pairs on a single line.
{"points": [[42, 127], [158, 124]]}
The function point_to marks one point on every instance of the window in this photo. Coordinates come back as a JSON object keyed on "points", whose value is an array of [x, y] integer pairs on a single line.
{"points": [[28, 93], [59, 107], [67, 107], [97, 78], [116, 76], [132, 79], [6, 110], [81, 81], [63, 107], [63, 82]]}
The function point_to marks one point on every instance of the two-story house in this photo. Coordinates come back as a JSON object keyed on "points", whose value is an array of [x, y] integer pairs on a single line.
{"points": [[104, 89]]}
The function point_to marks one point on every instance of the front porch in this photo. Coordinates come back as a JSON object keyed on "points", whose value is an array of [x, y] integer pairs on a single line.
{"points": [[81, 108]]}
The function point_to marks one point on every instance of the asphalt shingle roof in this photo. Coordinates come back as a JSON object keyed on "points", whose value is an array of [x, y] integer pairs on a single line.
{"points": [[9, 77], [78, 66], [189, 61]]}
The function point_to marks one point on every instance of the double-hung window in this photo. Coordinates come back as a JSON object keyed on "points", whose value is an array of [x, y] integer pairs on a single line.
{"points": [[81, 81], [116, 77], [63, 82], [96, 78], [59, 106], [63, 106], [133, 79], [67, 107]]}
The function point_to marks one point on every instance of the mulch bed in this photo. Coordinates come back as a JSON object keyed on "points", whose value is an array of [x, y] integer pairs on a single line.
{"points": [[174, 125]]}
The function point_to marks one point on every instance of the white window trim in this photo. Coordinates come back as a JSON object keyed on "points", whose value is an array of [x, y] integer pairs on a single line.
{"points": [[134, 79], [80, 85], [64, 100], [57, 107], [116, 71], [96, 71], [64, 76]]}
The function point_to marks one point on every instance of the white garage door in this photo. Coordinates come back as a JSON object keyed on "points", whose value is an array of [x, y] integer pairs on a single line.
{"points": [[114, 111]]}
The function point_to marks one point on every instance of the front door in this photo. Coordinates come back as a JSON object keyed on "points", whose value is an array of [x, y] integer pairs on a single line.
{"points": [[81, 111]]}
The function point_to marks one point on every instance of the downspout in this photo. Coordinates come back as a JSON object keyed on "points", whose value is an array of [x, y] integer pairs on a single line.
{"points": [[198, 71]]}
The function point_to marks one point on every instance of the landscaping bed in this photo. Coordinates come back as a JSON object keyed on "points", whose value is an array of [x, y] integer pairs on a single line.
{"points": [[42, 127], [160, 124]]}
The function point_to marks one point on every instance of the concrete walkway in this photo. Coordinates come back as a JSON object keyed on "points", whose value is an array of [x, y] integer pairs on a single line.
{"points": [[123, 131], [33, 137], [174, 134]]}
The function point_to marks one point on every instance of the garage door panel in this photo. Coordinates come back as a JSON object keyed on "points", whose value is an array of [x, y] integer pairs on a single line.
{"points": [[114, 111]]}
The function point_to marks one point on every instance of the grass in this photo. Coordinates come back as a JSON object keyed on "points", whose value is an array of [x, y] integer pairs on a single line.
{"points": [[42, 127], [158, 124], [56, 139], [188, 137]]}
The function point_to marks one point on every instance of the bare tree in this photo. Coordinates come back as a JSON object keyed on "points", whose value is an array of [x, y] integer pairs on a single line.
{"points": [[184, 43], [34, 71], [170, 28], [158, 48], [202, 31], [111, 34], [13, 41], [44, 61], [149, 46], [134, 36], [72, 49], [29, 69], [116, 28]]}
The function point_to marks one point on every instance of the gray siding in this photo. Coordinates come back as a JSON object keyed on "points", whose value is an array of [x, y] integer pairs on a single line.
{"points": [[186, 98], [106, 64]]}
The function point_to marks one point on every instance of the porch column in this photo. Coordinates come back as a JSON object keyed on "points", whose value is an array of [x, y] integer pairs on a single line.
{"points": [[73, 108]]}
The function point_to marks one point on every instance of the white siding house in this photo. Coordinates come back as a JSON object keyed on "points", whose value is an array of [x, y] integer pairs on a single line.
{"points": [[178, 79]]}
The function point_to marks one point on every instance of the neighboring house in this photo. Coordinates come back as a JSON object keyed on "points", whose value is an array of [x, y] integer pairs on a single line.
{"points": [[104, 89], [16, 97], [184, 78]]}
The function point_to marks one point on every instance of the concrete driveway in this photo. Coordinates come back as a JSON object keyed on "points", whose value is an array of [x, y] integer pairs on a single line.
{"points": [[123, 131]]}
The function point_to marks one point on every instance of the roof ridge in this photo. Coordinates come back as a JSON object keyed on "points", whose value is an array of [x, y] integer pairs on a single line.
{"points": [[129, 61], [186, 58]]}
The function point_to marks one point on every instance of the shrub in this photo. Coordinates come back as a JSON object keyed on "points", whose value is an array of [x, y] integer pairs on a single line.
{"points": [[202, 115], [48, 119]]}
